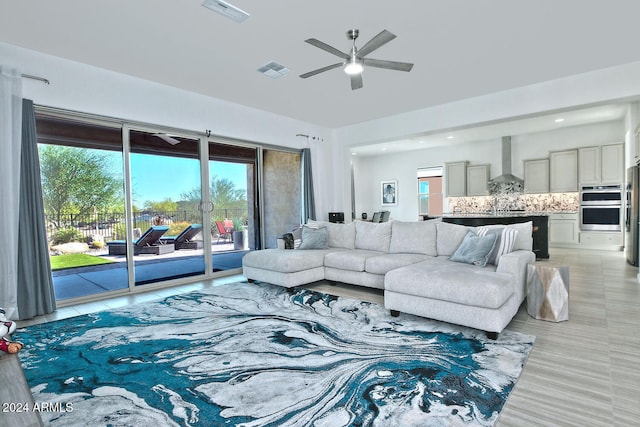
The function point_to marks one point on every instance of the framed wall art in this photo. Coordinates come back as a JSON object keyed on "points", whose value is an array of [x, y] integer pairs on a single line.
{"points": [[389, 193]]}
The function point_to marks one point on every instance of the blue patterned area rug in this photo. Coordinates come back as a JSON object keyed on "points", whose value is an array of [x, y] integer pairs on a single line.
{"points": [[259, 355]]}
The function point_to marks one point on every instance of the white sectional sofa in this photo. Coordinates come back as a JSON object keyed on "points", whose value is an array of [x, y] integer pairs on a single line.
{"points": [[411, 262]]}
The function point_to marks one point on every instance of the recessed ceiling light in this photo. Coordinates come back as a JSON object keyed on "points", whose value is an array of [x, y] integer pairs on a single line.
{"points": [[226, 9], [354, 154], [559, 120], [450, 137]]}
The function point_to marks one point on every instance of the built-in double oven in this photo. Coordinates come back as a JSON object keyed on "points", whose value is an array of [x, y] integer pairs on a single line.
{"points": [[601, 208]]}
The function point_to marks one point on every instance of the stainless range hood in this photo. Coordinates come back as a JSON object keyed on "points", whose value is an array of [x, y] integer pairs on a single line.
{"points": [[507, 181]]}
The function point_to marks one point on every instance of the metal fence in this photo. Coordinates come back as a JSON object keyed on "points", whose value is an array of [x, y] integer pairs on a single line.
{"points": [[112, 224]]}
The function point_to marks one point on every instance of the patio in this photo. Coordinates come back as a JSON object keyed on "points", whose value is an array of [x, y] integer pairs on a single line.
{"points": [[84, 281]]}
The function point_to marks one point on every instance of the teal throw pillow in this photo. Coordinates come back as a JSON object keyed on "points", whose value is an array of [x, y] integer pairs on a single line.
{"points": [[474, 249], [314, 238]]}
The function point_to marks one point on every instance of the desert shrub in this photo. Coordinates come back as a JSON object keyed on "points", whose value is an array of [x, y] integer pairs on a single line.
{"points": [[176, 228], [97, 244], [119, 232], [66, 235]]}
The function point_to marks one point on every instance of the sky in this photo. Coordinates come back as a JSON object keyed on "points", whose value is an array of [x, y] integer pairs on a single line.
{"points": [[156, 178]]}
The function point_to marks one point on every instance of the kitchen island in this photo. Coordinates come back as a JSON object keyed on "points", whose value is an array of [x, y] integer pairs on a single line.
{"points": [[540, 225]]}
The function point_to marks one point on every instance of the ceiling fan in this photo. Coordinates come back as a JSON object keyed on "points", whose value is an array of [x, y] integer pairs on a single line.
{"points": [[355, 60], [167, 138]]}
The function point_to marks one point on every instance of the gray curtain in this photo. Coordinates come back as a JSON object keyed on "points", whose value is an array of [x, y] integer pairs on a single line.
{"points": [[308, 203], [35, 283]]}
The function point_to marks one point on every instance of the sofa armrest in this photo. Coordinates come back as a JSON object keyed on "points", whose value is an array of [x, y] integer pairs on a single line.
{"points": [[516, 263]]}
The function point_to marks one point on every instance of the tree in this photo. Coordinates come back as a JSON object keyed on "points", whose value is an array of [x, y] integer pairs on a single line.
{"points": [[167, 205], [224, 195], [76, 181]]}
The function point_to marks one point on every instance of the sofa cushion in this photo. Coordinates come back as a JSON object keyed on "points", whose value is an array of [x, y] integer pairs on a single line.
{"points": [[339, 235], [353, 260], [417, 237], [475, 249], [373, 236], [449, 237], [454, 282], [286, 261], [381, 264], [314, 238]]}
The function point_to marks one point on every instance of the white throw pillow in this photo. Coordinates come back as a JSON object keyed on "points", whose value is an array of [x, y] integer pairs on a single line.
{"points": [[524, 240], [505, 241]]}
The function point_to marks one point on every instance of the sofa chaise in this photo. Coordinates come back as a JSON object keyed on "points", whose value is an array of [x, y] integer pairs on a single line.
{"points": [[414, 263]]}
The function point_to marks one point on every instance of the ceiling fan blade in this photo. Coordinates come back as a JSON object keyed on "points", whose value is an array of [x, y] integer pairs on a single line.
{"points": [[390, 65], [167, 138], [382, 38], [326, 47], [321, 70], [356, 81]]}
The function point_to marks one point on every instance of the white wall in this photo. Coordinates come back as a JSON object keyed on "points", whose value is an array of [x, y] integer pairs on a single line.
{"points": [[600, 86], [631, 122], [620, 83], [80, 87], [403, 166]]}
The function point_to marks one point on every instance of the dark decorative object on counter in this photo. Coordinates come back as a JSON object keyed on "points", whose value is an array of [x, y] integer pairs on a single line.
{"points": [[364, 215], [336, 217]]}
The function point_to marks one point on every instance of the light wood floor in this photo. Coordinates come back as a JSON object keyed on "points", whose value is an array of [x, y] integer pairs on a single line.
{"points": [[582, 372]]}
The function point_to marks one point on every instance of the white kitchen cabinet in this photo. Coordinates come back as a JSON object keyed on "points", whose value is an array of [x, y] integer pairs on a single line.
{"points": [[455, 174], [563, 171], [612, 164], [478, 180], [589, 168], [601, 239], [563, 229], [601, 165], [536, 176]]}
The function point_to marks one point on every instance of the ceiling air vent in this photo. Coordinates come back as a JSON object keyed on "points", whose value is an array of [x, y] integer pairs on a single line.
{"points": [[274, 70], [226, 9]]}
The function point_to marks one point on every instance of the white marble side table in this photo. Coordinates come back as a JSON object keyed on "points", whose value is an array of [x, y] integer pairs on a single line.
{"points": [[548, 292]]}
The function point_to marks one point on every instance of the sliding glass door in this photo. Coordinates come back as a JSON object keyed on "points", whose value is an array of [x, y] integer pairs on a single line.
{"points": [[233, 195], [143, 206], [82, 174], [168, 236]]}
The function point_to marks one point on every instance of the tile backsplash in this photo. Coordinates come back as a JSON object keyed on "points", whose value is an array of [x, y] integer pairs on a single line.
{"points": [[547, 202]]}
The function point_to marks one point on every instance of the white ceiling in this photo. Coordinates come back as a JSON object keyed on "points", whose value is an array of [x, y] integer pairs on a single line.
{"points": [[460, 48]]}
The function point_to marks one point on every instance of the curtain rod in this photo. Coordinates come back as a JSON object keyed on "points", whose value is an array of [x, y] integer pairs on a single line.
{"points": [[42, 79]]}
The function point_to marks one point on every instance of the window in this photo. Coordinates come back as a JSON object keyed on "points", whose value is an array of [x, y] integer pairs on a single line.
{"points": [[430, 192]]}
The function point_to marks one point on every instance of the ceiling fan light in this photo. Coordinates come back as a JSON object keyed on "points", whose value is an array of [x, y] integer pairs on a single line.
{"points": [[352, 68]]}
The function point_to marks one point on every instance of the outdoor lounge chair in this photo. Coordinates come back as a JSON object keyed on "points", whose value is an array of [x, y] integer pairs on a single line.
{"points": [[148, 243], [184, 240]]}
